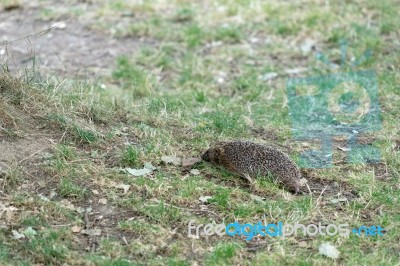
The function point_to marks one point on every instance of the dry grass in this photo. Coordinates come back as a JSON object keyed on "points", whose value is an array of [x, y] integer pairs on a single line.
{"points": [[204, 76]]}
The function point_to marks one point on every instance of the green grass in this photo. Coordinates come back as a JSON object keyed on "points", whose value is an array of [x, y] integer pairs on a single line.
{"points": [[223, 254], [198, 75], [68, 188], [130, 156]]}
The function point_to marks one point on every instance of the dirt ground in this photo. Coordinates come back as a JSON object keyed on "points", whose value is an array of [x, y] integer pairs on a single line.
{"points": [[63, 46]]}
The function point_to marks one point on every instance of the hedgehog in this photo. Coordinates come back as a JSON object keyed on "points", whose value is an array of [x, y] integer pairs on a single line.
{"points": [[248, 159]]}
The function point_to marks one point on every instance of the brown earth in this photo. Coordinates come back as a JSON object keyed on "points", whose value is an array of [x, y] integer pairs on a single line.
{"points": [[62, 46]]}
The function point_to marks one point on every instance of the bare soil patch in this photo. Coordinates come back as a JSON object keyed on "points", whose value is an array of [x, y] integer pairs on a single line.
{"points": [[326, 188], [61, 47]]}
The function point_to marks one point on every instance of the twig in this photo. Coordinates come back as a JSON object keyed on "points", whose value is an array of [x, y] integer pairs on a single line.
{"points": [[37, 35], [86, 218], [322, 192]]}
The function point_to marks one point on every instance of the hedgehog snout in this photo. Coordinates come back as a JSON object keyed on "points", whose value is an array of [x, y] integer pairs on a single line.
{"points": [[206, 156]]}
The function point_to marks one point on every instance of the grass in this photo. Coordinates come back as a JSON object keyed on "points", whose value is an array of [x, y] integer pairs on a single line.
{"points": [[201, 74]]}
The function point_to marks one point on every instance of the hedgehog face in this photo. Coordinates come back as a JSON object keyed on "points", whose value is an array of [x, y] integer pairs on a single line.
{"points": [[207, 155], [211, 156]]}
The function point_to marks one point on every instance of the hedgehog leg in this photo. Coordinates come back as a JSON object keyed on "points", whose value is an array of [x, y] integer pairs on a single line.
{"points": [[248, 178]]}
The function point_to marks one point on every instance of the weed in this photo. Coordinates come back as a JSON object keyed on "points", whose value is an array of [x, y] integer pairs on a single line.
{"points": [[130, 157], [68, 188], [223, 254]]}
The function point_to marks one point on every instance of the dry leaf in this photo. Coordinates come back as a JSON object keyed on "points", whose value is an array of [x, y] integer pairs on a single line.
{"points": [[29, 232], [303, 181], [171, 159], [205, 199], [9, 215], [83, 210], [17, 235], [124, 187], [92, 232], [2, 209], [340, 138], [76, 229], [138, 172], [344, 149], [295, 71], [257, 198], [147, 169], [9, 212], [149, 166], [187, 163], [305, 144], [302, 244], [59, 25], [104, 201], [195, 172], [335, 201], [52, 194], [194, 236], [268, 76], [44, 198], [249, 122], [327, 249], [67, 204], [307, 46]]}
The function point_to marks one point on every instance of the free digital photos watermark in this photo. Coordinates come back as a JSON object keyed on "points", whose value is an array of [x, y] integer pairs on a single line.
{"points": [[342, 104], [279, 229]]}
